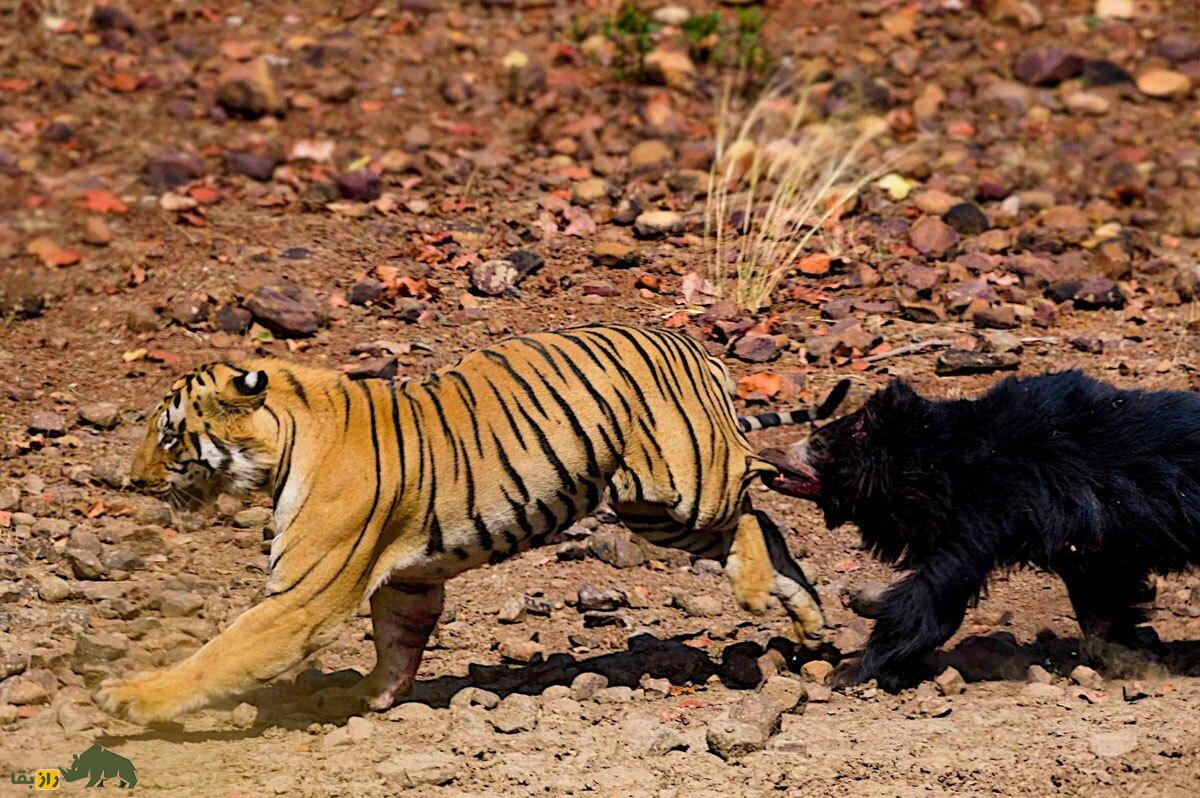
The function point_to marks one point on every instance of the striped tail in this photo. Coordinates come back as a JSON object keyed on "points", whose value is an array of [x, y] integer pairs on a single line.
{"points": [[801, 416]]}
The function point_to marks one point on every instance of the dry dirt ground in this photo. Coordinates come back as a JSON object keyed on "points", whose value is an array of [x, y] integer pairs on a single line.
{"points": [[333, 183]]}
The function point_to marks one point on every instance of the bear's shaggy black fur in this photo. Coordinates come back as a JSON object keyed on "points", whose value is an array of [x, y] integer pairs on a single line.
{"points": [[1060, 471]]}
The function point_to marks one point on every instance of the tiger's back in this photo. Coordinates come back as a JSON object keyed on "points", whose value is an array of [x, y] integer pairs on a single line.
{"points": [[567, 419]]}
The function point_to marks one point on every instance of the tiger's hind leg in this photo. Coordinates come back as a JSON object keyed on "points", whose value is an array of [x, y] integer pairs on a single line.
{"points": [[755, 556], [791, 586], [748, 566], [403, 615]]}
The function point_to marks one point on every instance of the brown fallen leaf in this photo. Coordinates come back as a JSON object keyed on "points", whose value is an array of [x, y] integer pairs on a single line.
{"points": [[50, 253], [815, 264], [697, 291], [103, 201], [759, 387]]}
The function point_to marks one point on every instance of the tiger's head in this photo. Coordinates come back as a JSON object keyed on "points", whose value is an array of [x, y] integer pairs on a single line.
{"points": [[212, 434]]}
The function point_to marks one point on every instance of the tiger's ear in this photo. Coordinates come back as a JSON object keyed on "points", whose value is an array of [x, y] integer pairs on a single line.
{"points": [[245, 391]]}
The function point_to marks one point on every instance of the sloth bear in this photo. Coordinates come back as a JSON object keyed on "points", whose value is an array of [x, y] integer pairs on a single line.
{"points": [[1061, 471]]}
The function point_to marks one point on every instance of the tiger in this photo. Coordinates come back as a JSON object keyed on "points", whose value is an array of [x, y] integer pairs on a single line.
{"points": [[384, 490]]}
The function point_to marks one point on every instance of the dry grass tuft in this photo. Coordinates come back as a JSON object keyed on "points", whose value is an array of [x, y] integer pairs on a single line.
{"points": [[780, 177]]}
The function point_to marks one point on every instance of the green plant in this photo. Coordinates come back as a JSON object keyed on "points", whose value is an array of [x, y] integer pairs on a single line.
{"points": [[785, 173], [698, 29], [750, 53], [631, 31]]}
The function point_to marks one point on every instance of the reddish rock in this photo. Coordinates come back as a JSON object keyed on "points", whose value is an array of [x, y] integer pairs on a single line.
{"points": [[373, 368], [600, 288], [615, 255], [232, 319], [1098, 292], [142, 319], [958, 361], [933, 237], [364, 291], [756, 348], [172, 169], [189, 312], [920, 278], [253, 165], [1000, 317], [282, 314], [359, 185], [46, 423], [1047, 66]]}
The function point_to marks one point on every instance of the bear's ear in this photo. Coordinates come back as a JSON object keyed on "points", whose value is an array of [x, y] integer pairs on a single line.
{"points": [[894, 405]]}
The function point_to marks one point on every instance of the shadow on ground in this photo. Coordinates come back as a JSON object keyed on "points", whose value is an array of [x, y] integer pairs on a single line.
{"points": [[316, 697]]}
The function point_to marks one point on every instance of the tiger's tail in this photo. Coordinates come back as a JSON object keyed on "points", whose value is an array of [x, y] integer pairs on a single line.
{"points": [[803, 415]]}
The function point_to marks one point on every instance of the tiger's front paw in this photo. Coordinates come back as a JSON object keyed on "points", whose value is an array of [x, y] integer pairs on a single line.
{"points": [[143, 699]]}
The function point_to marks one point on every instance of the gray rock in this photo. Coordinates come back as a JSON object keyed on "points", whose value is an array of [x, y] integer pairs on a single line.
{"points": [[104, 415], [179, 603], [586, 685], [85, 564], [474, 697], [274, 308], [593, 599], [961, 361], [745, 728], [950, 682], [244, 715], [172, 169], [1116, 743], [419, 769], [43, 422], [614, 695], [53, 589], [359, 185], [517, 713], [1087, 677], [1043, 691], [666, 739], [359, 729], [786, 693], [615, 549], [115, 558], [1047, 66], [254, 165], [252, 518], [513, 611], [698, 605], [658, 224], [495, 278], [77, 717], [93, 647]]}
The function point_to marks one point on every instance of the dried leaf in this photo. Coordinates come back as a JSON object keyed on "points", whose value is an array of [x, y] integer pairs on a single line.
{"points": [[317, 151], [581, 223], [50, 253], [697, 291], [759, 387], [815, 264], [103, 201]]}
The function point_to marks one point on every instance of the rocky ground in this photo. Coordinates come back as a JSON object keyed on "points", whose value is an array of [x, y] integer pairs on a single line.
{"points": [[381, 187]]}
